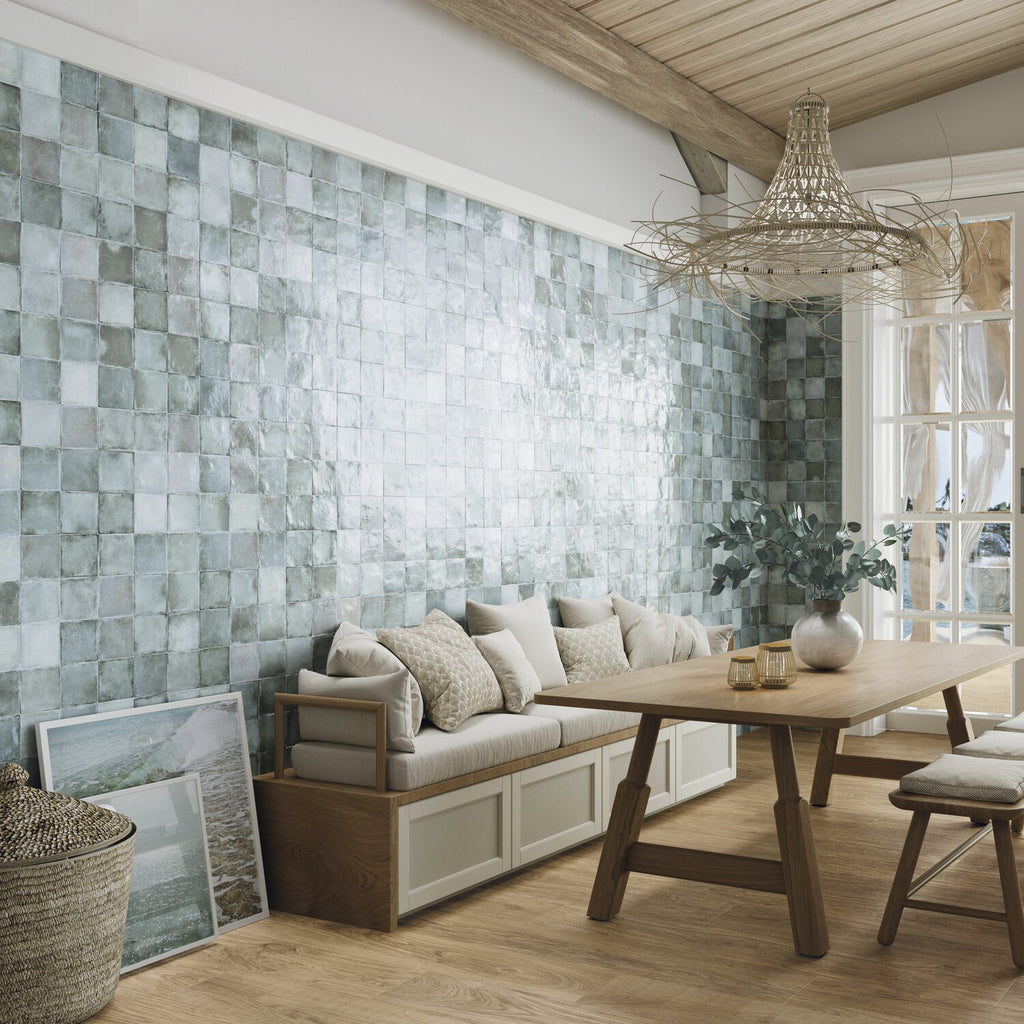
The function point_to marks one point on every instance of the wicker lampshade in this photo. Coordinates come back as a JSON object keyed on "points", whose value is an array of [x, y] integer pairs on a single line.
{"points": [[808, 236]]}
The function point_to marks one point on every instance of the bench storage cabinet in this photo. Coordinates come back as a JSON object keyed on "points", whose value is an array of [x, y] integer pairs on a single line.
{"points": [[367, 857]]}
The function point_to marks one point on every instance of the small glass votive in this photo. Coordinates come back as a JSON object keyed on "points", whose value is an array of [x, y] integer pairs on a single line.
{"points": [[743, 672], [777, 668]]}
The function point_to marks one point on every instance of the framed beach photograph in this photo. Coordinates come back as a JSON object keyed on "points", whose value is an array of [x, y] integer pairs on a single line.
{"points": [[171, 907], [118, 750]]}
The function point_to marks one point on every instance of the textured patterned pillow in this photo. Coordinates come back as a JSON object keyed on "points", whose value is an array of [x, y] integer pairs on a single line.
{"points": [[455, 679], [593, 652]]}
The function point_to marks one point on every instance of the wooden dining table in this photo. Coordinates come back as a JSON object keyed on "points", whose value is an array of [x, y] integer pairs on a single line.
{"points": [[886, 675]]}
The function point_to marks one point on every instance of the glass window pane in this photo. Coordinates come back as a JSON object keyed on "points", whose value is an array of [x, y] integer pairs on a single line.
{"points": [[988, 287], [985, 474], [991, 692], [928, 631], [985, 366], [926, 467], [925, 569], [987, 567], [925, 364]]}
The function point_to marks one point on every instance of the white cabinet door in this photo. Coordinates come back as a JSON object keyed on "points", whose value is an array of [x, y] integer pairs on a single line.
{"points": [[662, 777], [556, 805]]}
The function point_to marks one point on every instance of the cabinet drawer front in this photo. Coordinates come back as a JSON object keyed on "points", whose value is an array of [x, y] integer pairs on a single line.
{"points": [[706, 757], [556, 805], [661, 778], [453, 841]]}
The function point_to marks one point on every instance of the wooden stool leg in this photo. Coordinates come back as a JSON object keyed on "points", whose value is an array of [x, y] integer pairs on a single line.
{"points": [[1017, 825], [904, 877], [1011, 889]]}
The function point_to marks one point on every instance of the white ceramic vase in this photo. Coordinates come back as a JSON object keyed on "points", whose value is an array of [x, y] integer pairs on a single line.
{"points": [[827, 637]]}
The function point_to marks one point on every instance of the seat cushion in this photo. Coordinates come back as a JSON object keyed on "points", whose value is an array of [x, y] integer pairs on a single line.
{"points": [[481, 742], [968, 778], [578, 724], [1006, 745], [530, 622], [1015, 724]]}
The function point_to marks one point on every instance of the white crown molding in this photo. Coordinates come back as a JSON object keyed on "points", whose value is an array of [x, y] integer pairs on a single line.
{"points": [[57, 38], [971, 175]]}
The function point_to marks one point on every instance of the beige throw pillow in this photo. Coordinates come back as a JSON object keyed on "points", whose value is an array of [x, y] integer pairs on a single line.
{"points": [[358, 728], [593, 652], [516, 676], [577, 612], [530, 623], [701, 647], [454, 677], [718, 638], [648, 639], [354, 652]]}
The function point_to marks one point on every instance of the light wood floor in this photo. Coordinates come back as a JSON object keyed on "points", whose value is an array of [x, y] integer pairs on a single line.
{"points": [[522, 950]]}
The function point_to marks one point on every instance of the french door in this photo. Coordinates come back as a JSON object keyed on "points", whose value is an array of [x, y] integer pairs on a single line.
{"points": [[947, 460]]}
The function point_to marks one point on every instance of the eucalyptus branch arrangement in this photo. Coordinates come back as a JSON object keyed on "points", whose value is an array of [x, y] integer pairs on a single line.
{"points": [[825, 561]]}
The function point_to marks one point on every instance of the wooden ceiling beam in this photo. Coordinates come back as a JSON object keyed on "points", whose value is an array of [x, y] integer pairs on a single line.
{"points": [[553, 33]]}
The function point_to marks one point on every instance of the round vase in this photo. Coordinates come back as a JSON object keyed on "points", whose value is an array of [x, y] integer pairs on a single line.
{"points": [[827, 637]]}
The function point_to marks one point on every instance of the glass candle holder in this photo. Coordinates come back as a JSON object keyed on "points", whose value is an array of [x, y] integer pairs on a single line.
{"points": [[777, 667], [743, 672]]}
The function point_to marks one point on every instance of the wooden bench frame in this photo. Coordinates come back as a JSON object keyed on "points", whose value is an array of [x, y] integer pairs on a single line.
{"points": [[330, 850]]}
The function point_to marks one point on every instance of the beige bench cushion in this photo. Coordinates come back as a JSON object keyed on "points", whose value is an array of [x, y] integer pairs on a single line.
{"points": [[1012, 725], [968, 778], [480, 742], [1006, 745], [578, 724]]}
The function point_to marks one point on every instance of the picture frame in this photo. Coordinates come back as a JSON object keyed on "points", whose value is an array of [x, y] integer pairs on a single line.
{"points": [[171, 905], [116, 750]]}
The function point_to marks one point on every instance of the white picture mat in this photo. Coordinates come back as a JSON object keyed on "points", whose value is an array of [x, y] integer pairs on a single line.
{"points": [[174, 807], [116, 750]]}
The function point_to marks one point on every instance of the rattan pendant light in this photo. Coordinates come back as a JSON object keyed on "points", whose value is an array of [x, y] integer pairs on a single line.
{"points": [[808, 237]]}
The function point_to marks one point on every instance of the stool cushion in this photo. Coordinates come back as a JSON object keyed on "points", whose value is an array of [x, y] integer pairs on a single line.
{"points": [[1006, 745], [1012, 725], [968, 778]]}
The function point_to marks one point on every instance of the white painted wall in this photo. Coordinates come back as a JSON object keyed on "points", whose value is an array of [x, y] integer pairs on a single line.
{"points": [[395, 82], [981, 118]]}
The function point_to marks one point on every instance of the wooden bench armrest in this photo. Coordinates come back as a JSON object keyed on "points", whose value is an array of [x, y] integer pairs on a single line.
{"points": [[378, 708]]}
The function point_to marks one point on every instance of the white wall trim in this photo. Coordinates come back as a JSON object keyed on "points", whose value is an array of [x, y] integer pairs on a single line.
{"points": [[60, 39], [999, 171]]}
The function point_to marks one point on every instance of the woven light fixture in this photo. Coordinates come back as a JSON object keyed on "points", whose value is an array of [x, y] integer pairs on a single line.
{"points": [[809, 238]]}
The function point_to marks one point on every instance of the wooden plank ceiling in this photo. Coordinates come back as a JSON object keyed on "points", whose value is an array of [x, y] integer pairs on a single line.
{"points": [[718, 72]]}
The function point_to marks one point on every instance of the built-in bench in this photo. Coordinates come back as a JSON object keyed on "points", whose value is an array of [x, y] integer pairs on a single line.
{"points": [[367, 855]]}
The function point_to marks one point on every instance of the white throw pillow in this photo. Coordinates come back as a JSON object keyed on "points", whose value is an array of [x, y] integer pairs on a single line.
{"points": [[530, 623], [593, 652], [684, 638], [648, 639], [577, 612], [455, 679], [358, 728], [354, 652], [718, 638], [701, 647], [516, 676]]}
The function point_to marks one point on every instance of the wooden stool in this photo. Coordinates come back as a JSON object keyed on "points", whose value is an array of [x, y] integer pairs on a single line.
{"points": [[983, 790]]}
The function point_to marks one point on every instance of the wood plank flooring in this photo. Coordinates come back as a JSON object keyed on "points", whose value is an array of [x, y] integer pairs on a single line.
{"points": [[523, 950]]}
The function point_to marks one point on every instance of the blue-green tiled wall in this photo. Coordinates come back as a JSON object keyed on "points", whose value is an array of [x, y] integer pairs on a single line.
{"points": [[249, 388]]}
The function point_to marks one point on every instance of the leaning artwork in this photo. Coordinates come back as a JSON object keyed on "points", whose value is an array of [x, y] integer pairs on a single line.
{"points": [[118, 750]]}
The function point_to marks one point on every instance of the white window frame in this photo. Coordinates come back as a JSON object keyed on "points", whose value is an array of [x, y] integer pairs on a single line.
{"points": [[969, 177]]}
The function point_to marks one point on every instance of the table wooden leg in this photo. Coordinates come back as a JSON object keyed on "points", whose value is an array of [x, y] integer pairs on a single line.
{"points": [[796, 845], [624, 824], [958, 726], [830, 744]]}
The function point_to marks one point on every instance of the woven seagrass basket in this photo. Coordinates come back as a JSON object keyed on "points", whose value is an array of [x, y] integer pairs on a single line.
{"points": [[65, 869]]}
